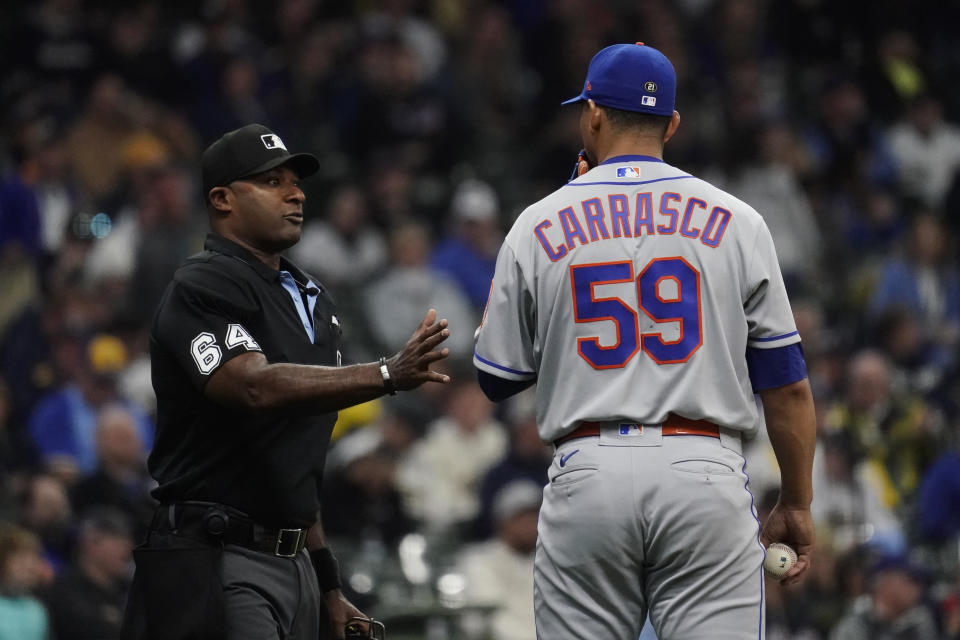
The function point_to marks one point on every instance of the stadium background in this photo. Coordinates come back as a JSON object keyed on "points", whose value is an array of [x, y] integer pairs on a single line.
{"points": [[436, 122]]}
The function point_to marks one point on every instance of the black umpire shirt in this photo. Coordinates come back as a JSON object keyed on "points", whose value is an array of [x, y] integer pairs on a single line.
{"points": [[224, 302]]}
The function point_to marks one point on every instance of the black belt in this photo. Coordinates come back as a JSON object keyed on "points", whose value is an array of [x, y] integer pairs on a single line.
{"points": [[219, 524]]}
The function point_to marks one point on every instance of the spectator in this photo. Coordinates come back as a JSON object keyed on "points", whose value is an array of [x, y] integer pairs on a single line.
{"points": [[469, 253], [398, 110], [527, 459], [63, 426], [22, 570], [120, 480], [897, 76], [41, 164], [13, 454], [500, 571], [392, 188], [893, 609], [20, 222], [48, 514], [848, 148], [822, 601], [86, 600], [57, 45], [419, 36], [410, 285], [927, 151], [136, 51], [938, 503], [919, 363], [42, 348], [951, 613], [360, 497], [343, 249], [924, 281], [771, 184], [872, 229], [439, 476], [895, 437], [848, 505], [96, 141], [113, 252], [239, 98], [169, 233], [493, 81]]}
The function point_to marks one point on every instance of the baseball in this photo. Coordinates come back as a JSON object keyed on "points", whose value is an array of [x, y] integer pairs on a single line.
{"points": [[779, 560]]}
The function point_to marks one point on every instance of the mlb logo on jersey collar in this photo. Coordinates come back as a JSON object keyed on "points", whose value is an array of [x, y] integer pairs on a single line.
{"points": [[628, 172], [630, 429]]}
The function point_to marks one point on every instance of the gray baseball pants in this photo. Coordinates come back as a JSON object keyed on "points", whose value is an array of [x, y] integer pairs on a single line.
{"points": [[649, 524]]}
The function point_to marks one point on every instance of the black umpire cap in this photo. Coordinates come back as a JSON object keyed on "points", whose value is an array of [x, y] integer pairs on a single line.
{"points": [[248, 151]]}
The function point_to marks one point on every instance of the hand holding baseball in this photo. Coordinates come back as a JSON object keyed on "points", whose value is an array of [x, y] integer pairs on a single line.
{"points": [[788, 528]]}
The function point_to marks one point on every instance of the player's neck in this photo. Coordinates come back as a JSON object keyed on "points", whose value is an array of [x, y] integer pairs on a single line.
{"points": [[633, 146]]}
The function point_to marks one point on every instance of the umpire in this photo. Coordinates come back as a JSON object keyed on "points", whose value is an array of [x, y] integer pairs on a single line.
{"points": [[245, 352]]}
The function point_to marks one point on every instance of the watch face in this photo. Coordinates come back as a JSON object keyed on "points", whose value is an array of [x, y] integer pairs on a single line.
{"points": [[364, 629]]}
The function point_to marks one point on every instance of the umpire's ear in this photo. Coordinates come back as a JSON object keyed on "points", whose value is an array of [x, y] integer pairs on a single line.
{"points": [[218, 199]]}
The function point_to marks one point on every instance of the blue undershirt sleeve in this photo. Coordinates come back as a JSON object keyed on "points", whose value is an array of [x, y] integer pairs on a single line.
{"points": [[770, 368], [497, 388]]}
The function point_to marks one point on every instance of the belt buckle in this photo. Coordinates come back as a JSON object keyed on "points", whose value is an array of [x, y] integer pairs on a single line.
{"points": [[281, 535]]}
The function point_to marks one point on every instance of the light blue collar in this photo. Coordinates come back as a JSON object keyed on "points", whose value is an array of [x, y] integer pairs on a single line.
{"points": [[312, 291]]}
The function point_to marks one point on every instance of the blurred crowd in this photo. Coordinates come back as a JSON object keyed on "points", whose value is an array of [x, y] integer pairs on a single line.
{"points": [[437, 122]]}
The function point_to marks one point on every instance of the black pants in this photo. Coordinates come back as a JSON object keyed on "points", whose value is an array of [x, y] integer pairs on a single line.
{"points": [[184, 589], [270, 597]]}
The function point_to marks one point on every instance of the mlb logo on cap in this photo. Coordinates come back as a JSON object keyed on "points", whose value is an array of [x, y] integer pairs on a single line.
{"points": [[648, 101], [273, 141]]}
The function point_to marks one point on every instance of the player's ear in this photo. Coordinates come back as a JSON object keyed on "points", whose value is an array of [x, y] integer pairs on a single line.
{"points": [[595, 115], [673, 126]]}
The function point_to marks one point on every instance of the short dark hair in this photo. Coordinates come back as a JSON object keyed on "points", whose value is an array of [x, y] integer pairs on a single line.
{"points": [[621, 119]]}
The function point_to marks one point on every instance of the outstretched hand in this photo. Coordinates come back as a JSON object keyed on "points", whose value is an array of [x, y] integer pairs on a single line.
{"points": [[792, 526], [410, 367]]}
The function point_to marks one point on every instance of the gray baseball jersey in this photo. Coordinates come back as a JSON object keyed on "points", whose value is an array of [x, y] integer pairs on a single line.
{"points": [[633, 291]]}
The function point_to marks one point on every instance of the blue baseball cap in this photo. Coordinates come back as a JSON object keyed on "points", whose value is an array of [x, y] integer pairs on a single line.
{"points": [[631, 77]]}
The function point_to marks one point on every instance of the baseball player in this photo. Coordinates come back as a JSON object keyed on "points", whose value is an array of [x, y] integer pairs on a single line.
{"points": [[648, 307], [245, 357]]}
